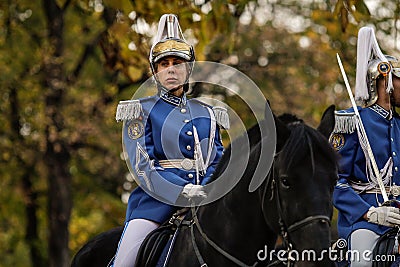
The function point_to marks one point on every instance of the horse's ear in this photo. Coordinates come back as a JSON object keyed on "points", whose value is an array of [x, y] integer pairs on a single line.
{"points": [[327, 122], [282, 133]]}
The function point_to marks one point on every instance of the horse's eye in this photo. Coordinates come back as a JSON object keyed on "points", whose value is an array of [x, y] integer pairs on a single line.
{"points": [[285, 182]]}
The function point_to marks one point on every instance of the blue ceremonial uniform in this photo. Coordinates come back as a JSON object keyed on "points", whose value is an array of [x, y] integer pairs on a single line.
{"points": [[165, 128], [353, 194]]}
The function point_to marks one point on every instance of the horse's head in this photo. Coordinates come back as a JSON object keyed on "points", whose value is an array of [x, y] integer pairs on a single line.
{"points": [[301, 183]]}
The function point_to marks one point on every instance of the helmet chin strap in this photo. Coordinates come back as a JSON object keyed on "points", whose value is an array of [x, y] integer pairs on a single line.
{"points": [[391, 104], [384, 69], [172, 90]]}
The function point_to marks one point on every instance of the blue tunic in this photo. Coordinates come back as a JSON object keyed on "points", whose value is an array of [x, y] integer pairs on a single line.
{"points": [[164, 130], [383, 131]]}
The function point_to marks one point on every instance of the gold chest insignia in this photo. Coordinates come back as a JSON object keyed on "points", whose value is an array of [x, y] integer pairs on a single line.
{"points": [[337, 141], [135, 129]]}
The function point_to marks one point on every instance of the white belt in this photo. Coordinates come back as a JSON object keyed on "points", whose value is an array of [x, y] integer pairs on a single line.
{"points": [[393, 190], [362, 188], [186, 164]]}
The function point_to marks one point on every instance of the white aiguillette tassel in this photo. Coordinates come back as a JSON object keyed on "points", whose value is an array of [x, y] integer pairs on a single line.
{"points": [[222, 117], [128, 110], [344, 123]]}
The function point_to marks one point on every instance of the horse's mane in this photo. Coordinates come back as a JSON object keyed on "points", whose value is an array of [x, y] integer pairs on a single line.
{"points": [[301, 141], [287, 118]]}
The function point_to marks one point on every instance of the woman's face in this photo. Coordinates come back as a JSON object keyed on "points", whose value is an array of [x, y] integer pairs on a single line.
{"points": [[172, 72]]}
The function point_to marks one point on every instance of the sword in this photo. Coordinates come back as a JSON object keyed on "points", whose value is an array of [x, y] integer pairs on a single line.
{"points": [[364, 134]]}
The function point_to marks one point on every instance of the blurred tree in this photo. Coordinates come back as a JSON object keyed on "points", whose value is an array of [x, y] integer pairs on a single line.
{"points": [[55, 103], [65, 66]]}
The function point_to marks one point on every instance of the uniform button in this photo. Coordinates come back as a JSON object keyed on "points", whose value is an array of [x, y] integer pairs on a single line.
{"points": [[189, 133], [394, 153], [190, 175], [183, 110], [392, 139], [186, 121], [396, 169], [188, 147]]}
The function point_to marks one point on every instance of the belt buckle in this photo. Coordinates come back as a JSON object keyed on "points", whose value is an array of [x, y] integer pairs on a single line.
{"points": [[395, 190], [187, 164]]}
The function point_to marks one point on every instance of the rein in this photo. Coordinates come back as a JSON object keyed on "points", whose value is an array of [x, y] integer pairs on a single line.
{"points": [[212, 243]]}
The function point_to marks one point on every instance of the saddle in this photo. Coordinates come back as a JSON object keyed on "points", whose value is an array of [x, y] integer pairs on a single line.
{"points": [[385, 253], [153, 246], [154, 250], [386, 249]]}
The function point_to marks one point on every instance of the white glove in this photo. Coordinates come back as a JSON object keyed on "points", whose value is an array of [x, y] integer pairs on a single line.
{"points": [[194, 191], [387, 216]]}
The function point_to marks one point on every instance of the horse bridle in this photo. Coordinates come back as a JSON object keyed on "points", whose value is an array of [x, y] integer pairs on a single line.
{"points": [[286, 230]]}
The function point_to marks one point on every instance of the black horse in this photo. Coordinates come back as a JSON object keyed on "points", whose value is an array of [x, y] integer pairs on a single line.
{"points": [[242, 228]]}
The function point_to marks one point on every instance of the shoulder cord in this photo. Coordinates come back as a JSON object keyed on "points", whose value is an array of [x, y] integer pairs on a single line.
{"points": [[213, 127], [201, 166], [214, 245], [198, 156], [385, 174]]}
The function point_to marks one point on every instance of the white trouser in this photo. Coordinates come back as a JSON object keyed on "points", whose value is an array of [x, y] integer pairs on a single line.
{"points": [[362, 244], [135, 232]]}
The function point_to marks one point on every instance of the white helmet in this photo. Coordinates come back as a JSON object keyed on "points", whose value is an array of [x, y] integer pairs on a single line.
{"points": [[372, 64], [169, 41]]}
